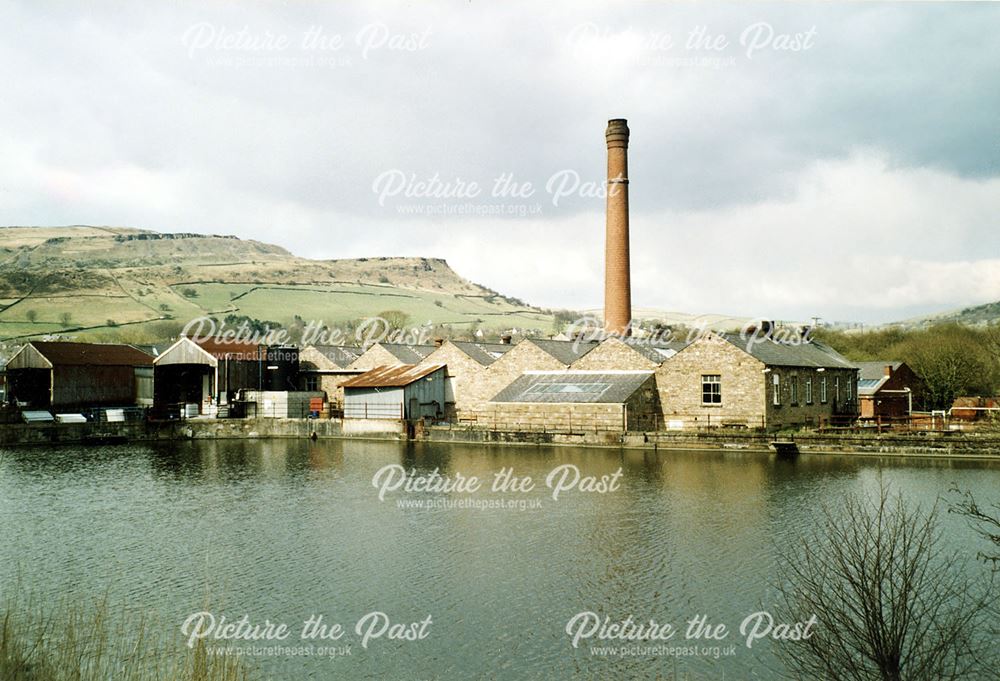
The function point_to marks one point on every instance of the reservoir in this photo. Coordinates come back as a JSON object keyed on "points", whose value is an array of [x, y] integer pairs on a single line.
{"points": [[284, 531]]}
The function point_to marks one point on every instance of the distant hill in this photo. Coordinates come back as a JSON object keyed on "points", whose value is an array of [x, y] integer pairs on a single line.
{"points": [[976, 315], [82, 280]]}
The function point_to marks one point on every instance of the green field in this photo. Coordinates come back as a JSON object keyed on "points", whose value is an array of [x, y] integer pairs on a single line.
{"points": [[88, 313], [112, 283]]}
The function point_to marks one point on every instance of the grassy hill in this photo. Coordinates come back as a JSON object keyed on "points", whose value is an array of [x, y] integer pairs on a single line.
{"points": [[114, 281], [975, 315]]}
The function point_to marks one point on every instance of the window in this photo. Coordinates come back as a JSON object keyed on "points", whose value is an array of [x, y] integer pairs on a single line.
{"points": [[809, 390], [711, 389], [311, 382], [776, 390], [850, 391], [836, 390], [822, 390], [793, 386]]}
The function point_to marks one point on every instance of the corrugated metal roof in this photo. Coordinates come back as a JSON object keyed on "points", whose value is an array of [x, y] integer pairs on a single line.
{"points": [[578, 387], [108, 354], [221, 348], [804, 354], [566, 352], [408, 354], [391, 376], [341, 355], [484, 353]]}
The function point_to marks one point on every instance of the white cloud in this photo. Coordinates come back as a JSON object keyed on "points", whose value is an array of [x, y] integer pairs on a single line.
{"points": [[852, 180]]}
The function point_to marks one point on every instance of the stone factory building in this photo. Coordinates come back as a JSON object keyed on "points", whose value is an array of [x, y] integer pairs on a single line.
{"points": [[467, 363], [325, 368], [723, 380], [531, 354], [576, 402]]}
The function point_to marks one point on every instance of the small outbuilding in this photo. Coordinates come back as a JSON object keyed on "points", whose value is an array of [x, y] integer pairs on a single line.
{"points": [[46, 374], [887, 390]]}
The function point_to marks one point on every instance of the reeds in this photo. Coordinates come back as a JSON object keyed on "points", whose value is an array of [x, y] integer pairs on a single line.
{"points": [[79, 642]]}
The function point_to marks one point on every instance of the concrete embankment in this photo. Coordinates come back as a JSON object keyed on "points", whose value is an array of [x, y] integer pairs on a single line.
{"points": [[15, 434], [931, 445]]}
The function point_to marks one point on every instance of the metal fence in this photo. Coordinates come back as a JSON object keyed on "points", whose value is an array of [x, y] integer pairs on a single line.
{"points": [[373, 410]]}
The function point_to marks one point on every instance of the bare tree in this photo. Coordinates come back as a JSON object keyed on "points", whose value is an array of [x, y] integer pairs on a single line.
{"points": [[985, 520], [890, 602]]}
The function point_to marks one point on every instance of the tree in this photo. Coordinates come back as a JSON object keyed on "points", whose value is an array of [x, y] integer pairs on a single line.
{"points": [[396, 320], [31, 315], [891, 603], [985, 521], [952, 362], [65, 318]]}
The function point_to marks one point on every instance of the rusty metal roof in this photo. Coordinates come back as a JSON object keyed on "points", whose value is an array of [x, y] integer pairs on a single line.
{"points": [[65, 352], [221, 348], [392, 376]]}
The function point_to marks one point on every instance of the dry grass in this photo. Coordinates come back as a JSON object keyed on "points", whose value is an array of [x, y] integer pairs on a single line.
{"points": [[73, 642]]}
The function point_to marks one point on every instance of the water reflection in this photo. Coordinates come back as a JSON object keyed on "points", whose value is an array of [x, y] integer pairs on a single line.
{"points": [[286, 528]]}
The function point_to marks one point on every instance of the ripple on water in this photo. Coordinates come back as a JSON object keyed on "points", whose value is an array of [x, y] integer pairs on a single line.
{"points": [[285, 529]]}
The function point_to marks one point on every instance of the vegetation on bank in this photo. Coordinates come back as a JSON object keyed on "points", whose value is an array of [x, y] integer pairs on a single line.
{"points": [[953, 360], [73, 642]]}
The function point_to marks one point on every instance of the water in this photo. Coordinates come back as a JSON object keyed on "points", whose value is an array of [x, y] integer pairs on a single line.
{"points": [[282, 530]]}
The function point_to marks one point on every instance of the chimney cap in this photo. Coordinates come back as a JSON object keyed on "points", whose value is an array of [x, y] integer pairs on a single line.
{"points": [[617, 133]]}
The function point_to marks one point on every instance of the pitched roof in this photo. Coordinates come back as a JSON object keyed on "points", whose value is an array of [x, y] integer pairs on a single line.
{"points": [[391, 376], [484, 353], [876, 370], [656, 352], [872, 376], [108, 354], [566, 352], [341, 355], [406, 353], [222, 348], [578, 387], [811, 354]]}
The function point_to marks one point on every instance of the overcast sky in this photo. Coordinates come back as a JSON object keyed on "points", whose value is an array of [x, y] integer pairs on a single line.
{"points": [[830, 160]]}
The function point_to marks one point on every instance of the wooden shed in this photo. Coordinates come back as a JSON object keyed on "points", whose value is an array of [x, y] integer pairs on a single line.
{"points": [[65, 374]]}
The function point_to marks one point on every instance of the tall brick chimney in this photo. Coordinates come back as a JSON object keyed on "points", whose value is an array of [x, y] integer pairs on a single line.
{"points": [[617, 278]]}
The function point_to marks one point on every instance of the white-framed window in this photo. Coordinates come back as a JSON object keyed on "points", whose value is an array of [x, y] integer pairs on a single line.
{"points": [[822, 390], [809, 390], [776, 390], [850, 391], [836, 390], [311, 382], [711, 389], [793, 387]]}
